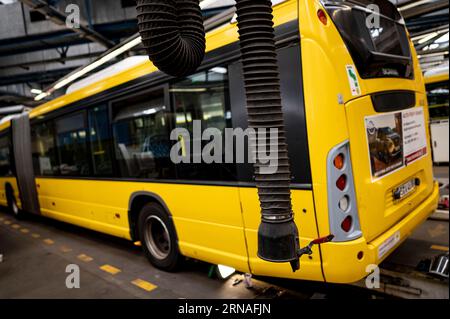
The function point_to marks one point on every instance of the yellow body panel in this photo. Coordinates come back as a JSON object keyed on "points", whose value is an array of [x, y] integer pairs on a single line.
{"points": [[443, 77], [207, 219], [219, 224], [303, 207]]}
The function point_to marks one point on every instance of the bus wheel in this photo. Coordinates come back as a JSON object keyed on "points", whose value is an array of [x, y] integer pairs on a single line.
{"points": [[12, 206], [158, 237]]}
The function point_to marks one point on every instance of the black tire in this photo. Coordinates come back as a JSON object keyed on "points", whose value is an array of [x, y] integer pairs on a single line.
{"points": [[13, 208], [158, 237]]}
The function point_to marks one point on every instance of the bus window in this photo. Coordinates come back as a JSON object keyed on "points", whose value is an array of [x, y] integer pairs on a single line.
{"points": [[100, 141], [204, 97], [438, 100], [5, 159], [72, 145], [44, 149], [378, 51], [142, 137]]}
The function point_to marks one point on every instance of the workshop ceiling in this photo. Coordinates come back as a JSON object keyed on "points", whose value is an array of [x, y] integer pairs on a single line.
{"points": [[37, 49]]}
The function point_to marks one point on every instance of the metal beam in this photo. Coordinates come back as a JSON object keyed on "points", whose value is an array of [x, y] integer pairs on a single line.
{"points": [[60, 18], [38, 77], [437, 29], [55, 60], [424, 9]]}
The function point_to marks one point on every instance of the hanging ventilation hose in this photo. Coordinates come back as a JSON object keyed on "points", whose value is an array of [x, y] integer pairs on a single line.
{"points": [[173, 34]]}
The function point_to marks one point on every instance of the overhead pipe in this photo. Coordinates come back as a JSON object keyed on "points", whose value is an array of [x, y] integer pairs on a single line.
{"points": [[173, 34]]}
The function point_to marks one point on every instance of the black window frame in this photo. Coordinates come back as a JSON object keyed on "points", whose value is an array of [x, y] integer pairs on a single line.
{"points": [[228, 107], [110, 142], [137, 94], [8, 135], [88, 159], [33, 124]]}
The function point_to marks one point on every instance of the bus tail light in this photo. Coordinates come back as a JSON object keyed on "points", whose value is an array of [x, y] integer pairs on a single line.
{"points": [[347, 224], [342, 207], [322, 16], [341, 183]]}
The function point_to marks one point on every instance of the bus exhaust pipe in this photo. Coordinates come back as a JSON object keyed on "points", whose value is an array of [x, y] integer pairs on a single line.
{"points": [[173, 34]]}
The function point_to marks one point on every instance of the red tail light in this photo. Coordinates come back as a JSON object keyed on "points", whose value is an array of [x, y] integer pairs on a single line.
{"points": [[343, 208], [342, 182], [322, 17], [347, 224]]}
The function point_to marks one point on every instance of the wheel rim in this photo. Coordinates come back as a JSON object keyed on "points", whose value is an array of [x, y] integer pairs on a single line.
{"points": [[157, 237], [14, 207]]}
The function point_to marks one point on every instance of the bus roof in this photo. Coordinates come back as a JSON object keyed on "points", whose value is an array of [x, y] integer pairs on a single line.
{"points": [[219, 37], [437, 75]]}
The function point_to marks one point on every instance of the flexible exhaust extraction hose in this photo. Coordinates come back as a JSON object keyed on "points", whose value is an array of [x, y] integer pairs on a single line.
{"points": [[173, 35]]}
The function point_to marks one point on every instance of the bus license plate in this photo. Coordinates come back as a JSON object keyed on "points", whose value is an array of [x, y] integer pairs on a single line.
{"points": [[405, 190]]}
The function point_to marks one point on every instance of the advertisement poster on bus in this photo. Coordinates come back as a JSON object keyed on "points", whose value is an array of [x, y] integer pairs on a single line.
{"points": [[395, 140]]}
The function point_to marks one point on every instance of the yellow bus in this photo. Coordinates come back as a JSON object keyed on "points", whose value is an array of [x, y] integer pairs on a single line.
{"points": [[436, 83], [355, 112], [437, 90]]}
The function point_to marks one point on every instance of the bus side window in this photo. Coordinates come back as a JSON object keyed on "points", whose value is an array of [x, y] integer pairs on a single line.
{"points": [[71, 138], [204, 97], [5, 157], [100, 141], [44, 150], [142, 136]]}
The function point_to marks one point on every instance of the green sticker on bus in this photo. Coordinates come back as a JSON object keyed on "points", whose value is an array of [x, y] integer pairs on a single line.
{"points": [[353, 80]]}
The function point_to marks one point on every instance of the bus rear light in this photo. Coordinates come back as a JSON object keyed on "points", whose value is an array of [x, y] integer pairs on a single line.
{"points": [[347, 224], [339, 161], [341, 183], [342, 202], [322, 16]]}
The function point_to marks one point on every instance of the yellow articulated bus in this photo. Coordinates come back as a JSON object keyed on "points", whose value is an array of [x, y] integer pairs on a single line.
{"points": [[355, 111], [437, 90], [436, 83]]}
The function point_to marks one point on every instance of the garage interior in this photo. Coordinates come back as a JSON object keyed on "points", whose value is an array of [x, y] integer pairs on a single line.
{"points": [[38, 52]]}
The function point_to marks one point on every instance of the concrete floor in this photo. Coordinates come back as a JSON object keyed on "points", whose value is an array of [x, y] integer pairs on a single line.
{"points": [[35, 267], [36, 252]]}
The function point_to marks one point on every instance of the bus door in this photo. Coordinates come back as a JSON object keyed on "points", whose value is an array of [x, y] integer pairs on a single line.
{"points": [[24, 171]]}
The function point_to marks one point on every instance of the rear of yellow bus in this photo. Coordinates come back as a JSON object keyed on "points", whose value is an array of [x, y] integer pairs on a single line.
{"points": [[367, 120]]}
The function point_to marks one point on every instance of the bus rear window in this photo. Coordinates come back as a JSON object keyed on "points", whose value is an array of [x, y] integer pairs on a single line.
{"points": [[377, 41]]}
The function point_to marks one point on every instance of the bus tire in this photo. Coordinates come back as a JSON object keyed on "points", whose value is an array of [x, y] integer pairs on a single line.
{"points": [[158, 237], [13, 208]]}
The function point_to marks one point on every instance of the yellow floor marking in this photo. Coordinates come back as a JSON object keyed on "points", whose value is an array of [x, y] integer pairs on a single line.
{"points": [[48, 241], [441, 248], [36, 236], [85, 258], [15, 226], [24, 230], [110, 269], [65, 249], [7, 222], [147, 286]]}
